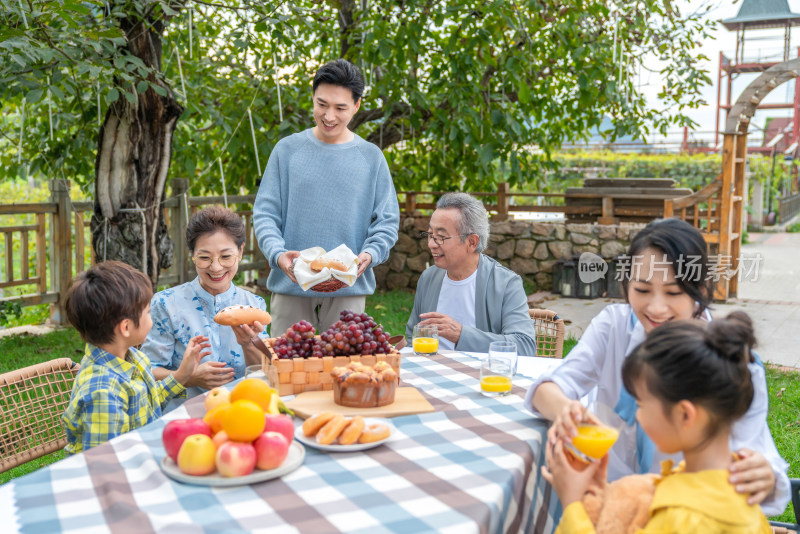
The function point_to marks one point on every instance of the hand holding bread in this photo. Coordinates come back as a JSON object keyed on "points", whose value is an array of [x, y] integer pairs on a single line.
{"points": [[240, 314]]}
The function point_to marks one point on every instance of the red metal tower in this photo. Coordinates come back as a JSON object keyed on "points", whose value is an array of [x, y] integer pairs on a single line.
{"points": [[758, 15]]}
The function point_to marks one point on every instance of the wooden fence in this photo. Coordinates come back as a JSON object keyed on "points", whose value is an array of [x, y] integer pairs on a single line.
{"points": [[58, 245]]}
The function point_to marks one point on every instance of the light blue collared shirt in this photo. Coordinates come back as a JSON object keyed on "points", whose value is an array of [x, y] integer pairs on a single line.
{"points": [[185, 311]]}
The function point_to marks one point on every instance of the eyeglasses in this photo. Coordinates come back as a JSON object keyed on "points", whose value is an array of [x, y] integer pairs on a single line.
{"points": [[226, 260], [439, 239]]}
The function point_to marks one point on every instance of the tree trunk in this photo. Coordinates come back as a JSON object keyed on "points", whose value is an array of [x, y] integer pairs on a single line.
{"points": [[133, 157]]}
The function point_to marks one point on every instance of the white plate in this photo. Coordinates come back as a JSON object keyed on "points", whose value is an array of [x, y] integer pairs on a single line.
{"points": [[312, 441], [293, 460]]}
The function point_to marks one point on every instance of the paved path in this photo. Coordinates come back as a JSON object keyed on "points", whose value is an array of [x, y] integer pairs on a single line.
{"points": [[772, 299]]}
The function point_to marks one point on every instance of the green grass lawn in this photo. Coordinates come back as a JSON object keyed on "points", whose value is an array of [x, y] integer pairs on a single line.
{"points": [[392, 310]]}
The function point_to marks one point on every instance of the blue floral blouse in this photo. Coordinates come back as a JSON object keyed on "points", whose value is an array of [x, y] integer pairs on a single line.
{"points": [[182, 312]]}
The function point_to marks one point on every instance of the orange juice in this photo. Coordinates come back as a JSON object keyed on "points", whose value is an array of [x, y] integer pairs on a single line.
{"points": [[496, 384], [594, 441], [425, 345]]}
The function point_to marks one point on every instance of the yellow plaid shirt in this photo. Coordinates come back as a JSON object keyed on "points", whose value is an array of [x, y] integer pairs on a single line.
{"points": [[113, 396]]}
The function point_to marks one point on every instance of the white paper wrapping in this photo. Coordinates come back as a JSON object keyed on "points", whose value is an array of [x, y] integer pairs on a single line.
{"points": [[308, 278]]}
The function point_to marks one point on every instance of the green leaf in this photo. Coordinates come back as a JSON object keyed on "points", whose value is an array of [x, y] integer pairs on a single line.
{"points": [[112, 96], [487, 154], [142, 86], [158, 89], [523, 92], [190, 166], [385, 50], [130, 97], [34, 96]]}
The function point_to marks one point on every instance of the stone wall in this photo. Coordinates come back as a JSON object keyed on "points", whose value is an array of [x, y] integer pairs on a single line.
{"points": [[528, 248]]}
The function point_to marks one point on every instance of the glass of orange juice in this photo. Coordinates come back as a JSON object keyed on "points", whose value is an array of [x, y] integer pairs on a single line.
{"points": [[496, 376], [425, 340], [596, 437]]}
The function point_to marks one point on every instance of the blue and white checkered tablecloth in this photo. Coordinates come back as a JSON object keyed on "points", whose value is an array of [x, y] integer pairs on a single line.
{"points": [[470, 466]]}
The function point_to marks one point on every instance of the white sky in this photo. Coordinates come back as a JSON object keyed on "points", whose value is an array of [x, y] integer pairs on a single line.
{"points": [[759, 43]]}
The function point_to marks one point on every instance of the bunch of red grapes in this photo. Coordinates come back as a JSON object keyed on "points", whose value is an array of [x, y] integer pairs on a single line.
{"points": [[353, 333], [297, 342]]}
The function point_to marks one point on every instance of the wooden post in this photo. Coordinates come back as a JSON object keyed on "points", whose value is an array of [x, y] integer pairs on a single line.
{"points": [[502, 201], [733, 152], [177, 220], [607, 216], [411, 203], [60, 247], [41, 252], [668, 208], [738, 199], [79, 243]]}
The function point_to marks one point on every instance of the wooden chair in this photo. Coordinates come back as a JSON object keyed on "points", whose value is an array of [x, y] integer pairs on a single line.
{"points": [[32, 400], [549, 333]]}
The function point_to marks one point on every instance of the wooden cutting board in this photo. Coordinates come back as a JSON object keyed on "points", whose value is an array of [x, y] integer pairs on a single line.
{"points": [[407, 401]]}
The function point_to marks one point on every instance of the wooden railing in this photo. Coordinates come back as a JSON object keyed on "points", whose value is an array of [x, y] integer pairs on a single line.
{"points": [[700, 208], [789, 207], [42, 258]]}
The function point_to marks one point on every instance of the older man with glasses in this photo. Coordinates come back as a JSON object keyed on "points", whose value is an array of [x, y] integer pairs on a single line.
{"points": [[470, 297]]}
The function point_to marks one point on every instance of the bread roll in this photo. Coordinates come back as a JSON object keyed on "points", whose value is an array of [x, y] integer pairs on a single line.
{"points": [[321, 263], [240, 314]]}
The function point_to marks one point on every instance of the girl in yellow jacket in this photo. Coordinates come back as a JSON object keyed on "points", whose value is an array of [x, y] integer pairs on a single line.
{"points": [[691, 382]]}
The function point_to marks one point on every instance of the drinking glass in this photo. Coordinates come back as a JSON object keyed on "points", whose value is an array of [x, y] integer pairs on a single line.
{"points": [[595, 436], [255, 371], [507, 350], [425, 340], [495, 376]]}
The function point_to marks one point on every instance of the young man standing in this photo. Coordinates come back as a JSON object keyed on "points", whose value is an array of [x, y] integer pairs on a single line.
{"points": [[323, 187]]}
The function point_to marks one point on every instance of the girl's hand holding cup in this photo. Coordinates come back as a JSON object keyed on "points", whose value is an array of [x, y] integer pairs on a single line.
{"points": [[571, 481]]}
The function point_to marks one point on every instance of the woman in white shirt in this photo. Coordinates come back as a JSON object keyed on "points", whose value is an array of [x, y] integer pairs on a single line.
{"points": [[665, 278]]}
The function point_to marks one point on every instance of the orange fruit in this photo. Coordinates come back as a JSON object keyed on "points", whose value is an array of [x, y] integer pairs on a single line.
{"points": [[254, 390], [216, 416], [244, 421]]}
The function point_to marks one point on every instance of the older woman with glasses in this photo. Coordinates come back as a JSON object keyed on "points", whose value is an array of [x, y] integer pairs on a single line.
{"points": [[215, 237], [470, 297]]}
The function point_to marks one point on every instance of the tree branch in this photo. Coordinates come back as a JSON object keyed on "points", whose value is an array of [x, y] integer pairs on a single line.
{"points": [[346, 24]]}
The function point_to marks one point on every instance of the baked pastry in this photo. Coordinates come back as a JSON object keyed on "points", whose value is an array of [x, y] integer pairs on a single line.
{"points": [[322, 263], [333, 429], [362, 386], [240, 314], [374, 433]]}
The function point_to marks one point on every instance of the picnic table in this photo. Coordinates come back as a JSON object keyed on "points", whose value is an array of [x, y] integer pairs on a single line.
{"points": [[472, 465]]}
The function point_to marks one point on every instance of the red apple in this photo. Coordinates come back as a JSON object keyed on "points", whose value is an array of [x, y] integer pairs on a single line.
{"points": [[220, 438], [236, 459], [280, 423], [178, 430], [271, 450]]}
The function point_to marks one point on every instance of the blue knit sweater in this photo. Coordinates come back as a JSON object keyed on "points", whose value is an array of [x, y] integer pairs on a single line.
{"points": [[319, 194]]}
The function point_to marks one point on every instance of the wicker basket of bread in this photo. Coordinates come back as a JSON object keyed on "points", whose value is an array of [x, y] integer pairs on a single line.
{"points": [[326, 272], [300, 361]]}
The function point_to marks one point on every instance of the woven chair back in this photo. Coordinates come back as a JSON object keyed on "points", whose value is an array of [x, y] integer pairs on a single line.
{"points": [[549, 333], [32, 400]]}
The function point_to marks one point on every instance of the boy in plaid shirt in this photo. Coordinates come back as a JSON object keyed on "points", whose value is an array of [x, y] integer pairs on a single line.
{"points": [[115, 391]]}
